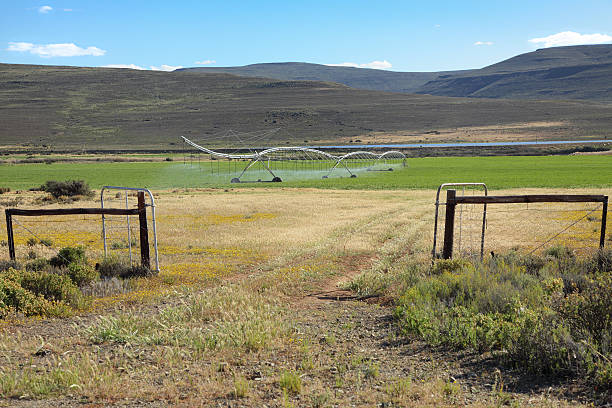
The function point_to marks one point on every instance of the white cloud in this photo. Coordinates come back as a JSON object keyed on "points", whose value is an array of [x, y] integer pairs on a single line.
{"points": [[437, 26], [374, 65], [67, 10], [206, 62], [165, 67], [483, 43], [377, 64], [130, 66], [45, 9], [20, 46], [55, 50], [571, 38]]}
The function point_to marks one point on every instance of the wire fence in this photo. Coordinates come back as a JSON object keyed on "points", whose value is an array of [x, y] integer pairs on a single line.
{"points": [[44, 236], [527, 228]]}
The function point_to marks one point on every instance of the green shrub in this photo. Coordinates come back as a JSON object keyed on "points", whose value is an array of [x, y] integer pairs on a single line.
{"points": [[137, 271], [601, 261], [119, 245], [31, 241], [560, 252], [52, 287], [543, 346], [448, 265], [69, 188], [564, 260], [588, 313], [4, 190], [6, 265], [113, 267], [68, 255], [14, 298], [531, 262], [472, 309], [574, 281], [46, 242], [546, 315], [39, 264], [82, 274]]}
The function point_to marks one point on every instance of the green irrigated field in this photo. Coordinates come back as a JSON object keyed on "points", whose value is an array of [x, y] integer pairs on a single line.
{"points": [[423, 173]]}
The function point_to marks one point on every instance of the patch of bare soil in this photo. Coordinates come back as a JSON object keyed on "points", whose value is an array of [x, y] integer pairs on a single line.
{"points": [[331, 289], [604, 153], [520, 131]]}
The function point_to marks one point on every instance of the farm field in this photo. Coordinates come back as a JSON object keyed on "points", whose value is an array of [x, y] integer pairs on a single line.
{"points": [[420, 173], [282, 297]]}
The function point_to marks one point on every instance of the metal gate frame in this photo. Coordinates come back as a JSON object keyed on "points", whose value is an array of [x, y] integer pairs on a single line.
{"points": [[484, 215], [152, 205], [452, 201]]}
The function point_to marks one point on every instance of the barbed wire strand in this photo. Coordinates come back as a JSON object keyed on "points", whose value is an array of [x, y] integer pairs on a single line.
{"points": [[39, 239], [562, 231], [467, 232]]}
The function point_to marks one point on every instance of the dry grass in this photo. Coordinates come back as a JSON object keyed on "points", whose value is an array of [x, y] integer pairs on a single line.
{"points": [[228, 316], [205, 236]]}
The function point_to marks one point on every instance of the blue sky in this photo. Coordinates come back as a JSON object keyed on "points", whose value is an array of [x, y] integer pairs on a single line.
{"points": [[394, 35]]}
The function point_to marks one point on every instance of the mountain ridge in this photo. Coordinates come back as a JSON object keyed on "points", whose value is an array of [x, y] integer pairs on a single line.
{"points": [[572, 72]]}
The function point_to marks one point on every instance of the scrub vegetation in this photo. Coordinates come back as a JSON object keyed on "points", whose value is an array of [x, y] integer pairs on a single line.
{"points": [[297, 297], [548, 315]]}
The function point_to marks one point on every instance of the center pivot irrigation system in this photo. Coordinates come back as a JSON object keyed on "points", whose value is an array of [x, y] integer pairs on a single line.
{"points": [[278, 160]]}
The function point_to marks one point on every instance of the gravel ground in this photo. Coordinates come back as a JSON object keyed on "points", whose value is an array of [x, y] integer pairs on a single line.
{"points": [[354, 357]]}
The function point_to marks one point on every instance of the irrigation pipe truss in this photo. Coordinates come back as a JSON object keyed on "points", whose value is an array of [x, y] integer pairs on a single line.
{"points": [[312, 154]]}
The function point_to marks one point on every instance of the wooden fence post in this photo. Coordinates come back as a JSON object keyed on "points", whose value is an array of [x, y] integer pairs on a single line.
{"points": [[449, 224], [144, 231], [9, 233], [604, 218]]}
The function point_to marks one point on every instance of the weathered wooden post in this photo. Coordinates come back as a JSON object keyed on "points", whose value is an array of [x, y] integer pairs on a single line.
{"points": [[9, 233], [449, 224], [144, 231], [604, 218]]}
